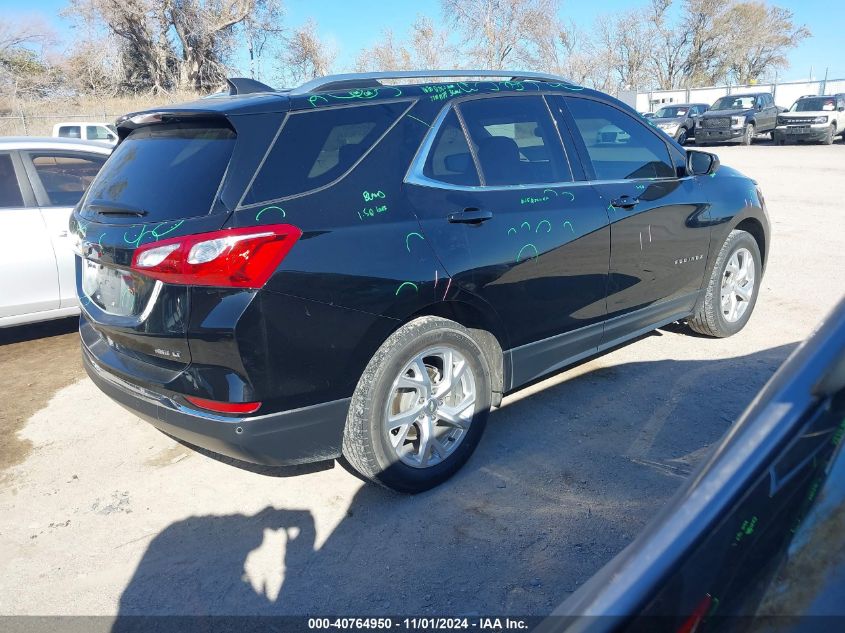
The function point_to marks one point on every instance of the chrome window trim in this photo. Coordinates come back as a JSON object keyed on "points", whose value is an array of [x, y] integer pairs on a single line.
{"points": [[241, 206], [415, 176]]}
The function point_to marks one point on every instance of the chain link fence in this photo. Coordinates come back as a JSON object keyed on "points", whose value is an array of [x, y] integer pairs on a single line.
{"points": [[23, 124]]}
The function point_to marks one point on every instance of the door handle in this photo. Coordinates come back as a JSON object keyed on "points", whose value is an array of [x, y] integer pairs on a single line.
{"points": [[625, 202], [470, 216]]}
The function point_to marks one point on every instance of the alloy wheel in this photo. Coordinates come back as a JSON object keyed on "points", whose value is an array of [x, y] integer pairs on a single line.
{"points": [[737, 285], [430, 407]]}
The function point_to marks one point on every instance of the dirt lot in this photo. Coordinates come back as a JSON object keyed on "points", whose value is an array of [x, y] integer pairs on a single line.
{"points": [[105, 515]]}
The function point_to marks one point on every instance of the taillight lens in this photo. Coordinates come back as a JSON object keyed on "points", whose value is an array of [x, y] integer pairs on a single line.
{"points": [[224, 407], [239, 258]]}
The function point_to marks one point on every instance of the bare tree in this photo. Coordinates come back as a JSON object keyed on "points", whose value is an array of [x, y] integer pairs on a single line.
{"points": [[429, 48], [759, 38], [386, 54], [24, 66], [260, 29], [498, 32], [627, 38], [306, 55]]}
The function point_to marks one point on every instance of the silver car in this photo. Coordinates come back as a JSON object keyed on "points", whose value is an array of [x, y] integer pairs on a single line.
{"points": [[41, 179], [678, 120]]}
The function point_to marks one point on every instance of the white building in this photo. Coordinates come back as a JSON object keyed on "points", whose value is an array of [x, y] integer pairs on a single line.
{"points": [[784, 93]]}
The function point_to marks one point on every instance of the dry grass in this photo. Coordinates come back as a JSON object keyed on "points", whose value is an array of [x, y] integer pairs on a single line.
{"points": [[37, 117]]}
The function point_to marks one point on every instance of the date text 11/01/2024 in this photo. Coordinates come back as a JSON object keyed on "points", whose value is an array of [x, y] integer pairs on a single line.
{"points": [[419, 624]]}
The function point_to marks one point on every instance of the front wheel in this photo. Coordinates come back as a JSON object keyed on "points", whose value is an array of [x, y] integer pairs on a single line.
{"points": [[731, 291], [830, 134], [748, 134], [420, 406], [682, 136]]}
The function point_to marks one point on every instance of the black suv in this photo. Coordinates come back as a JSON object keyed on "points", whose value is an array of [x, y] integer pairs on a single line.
{"points": [[738, 118], [363, 270]]}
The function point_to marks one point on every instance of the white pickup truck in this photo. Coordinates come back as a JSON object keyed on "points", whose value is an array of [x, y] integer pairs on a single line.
{"points": [[86, 131]]}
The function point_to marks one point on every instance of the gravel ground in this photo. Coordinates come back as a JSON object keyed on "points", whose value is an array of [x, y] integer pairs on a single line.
{"points": [[105, 515]]}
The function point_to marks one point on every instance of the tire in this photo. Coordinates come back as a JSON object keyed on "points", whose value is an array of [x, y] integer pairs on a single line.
{"points": [[682, 136], [368, 442], [831, 134], [748, 135], [709, 316]]}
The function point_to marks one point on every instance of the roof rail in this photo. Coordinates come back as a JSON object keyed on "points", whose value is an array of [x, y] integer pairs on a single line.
{"points": [[349, 80]]}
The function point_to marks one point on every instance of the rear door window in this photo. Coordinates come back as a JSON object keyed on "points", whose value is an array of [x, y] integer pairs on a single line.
{"points": [[515, 140], [619, 146], [69, 131], [166, 171], [10, 191], [316, 147], [65, 177], [449, 159]]}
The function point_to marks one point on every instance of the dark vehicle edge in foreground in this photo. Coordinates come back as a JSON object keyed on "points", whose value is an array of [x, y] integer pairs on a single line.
{"points": [[751, 541]]}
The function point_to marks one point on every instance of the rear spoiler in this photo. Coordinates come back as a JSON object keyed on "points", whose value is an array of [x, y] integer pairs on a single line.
{"points": [[127, 123]]}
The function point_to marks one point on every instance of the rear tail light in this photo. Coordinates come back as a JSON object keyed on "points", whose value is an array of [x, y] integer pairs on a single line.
{"points": [[239, 258], [224, 407]]}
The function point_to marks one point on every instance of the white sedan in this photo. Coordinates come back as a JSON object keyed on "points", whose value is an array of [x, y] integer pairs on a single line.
{"points": [[41, 180]]}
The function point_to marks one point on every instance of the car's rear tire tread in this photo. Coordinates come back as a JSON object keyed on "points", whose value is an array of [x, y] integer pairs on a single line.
{"points": [[357, 448], [706, 318]]}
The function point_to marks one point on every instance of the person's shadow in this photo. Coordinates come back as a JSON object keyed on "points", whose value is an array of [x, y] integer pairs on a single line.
{"points": [[561, 482]]}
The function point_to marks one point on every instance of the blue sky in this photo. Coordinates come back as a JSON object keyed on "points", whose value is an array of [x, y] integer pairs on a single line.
{"points": [[354, 24]]}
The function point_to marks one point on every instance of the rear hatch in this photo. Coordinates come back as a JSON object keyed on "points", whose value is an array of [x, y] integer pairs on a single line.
{"points": [[173, 174]]}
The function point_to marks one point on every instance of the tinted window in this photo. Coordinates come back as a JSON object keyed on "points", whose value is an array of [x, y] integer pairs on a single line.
{"points": [[619, 146], [318, 146], [69, 131], [97, 133], [814, 104], [449, 159], [10, 193], [168, 171], [65, 178], [515, 140]]}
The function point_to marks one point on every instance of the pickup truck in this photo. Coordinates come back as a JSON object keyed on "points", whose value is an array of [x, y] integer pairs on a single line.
{"points": [[737, 118]]}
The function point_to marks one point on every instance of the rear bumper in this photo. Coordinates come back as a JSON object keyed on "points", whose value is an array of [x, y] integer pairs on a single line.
{"points": [[299, 436]]}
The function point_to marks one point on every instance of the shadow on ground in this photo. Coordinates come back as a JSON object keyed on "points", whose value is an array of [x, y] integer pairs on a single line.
{"points": [[560, 483]]}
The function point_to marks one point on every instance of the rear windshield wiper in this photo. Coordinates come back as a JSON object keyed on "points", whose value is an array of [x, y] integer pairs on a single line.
{"points": [[115, 209]]}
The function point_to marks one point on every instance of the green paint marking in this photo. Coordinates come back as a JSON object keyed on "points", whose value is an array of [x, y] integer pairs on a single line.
{"points": [[155, 232], [369, 196], [570, 226], [406, 283], [541, 223], [274, 208], [525, 224], [521, 250], [409, 236], [411, 116], [570, 194], [511, 229], [550, 191]]}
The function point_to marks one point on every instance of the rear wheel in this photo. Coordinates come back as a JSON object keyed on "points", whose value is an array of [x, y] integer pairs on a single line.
{"points": [[731, 291], [420, 407]]}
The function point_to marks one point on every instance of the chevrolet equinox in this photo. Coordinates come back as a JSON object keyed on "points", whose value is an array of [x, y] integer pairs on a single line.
{"points": [[360, 270]]}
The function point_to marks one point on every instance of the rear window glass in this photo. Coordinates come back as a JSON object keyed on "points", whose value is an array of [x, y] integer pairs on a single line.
{"points": [[10, 193], [168, 171], [317, 147], [66, 177], [69, 131]]}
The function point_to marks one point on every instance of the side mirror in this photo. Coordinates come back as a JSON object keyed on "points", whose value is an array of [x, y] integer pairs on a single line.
{"points": [[702, 163]]}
